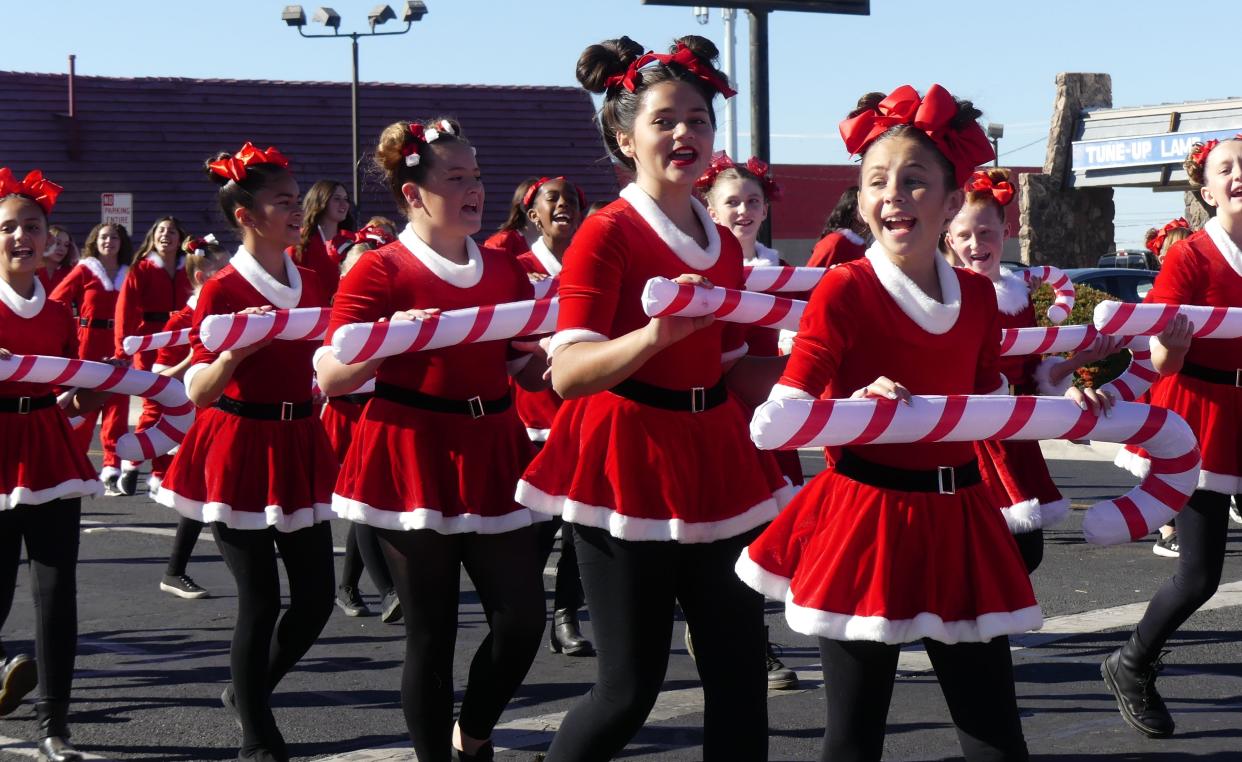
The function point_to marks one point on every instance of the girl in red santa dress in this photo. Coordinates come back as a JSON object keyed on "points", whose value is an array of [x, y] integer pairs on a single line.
{"points": [[91, 289], [439, 448], [903, 542], [202, 259], [59, 259], [1200, 382], [256, 464], [327, 233], [845, 236], [976, 238], [649, 457], [44, 473], [518, 233], [154, 289]]}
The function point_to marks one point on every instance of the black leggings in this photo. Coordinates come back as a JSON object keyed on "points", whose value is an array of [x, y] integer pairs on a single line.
{"points": [[263, 651], [568, 594], [362, 548], [633, 588], [426, 569], [188, 531], [976, 679], [51, 534], [1031, 546], [1202, 528]]}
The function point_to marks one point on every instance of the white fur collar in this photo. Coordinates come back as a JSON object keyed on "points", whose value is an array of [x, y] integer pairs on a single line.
{"points": [[21, 306], [1012, 293], [153, 256], [930, 315], [461, 276], [685, 247], [192, 302], [1224, 244], [97, 269], [280, 296], [545, 256], [764, 257], [851, 236]]}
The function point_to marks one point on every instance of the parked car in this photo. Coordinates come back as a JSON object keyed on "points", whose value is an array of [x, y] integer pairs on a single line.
{"points": [[1124, 284], [1140, 259]]}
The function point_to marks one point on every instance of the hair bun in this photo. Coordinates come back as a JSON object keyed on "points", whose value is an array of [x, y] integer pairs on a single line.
{"points": [[219, 180], [867, 102], [700, 46], [1150, 235], [605, 59], [999, 175], [966, 114]]}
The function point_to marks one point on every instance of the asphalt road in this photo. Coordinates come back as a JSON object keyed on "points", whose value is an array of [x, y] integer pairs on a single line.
{"points": [[151, 667]]}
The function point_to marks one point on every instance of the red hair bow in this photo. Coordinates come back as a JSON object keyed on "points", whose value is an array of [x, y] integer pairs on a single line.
{"points": [[1200, 154], [234, 167], [1157, 242], [528, 198], [33, 186], [194, 243], [980, 182], [681, 56], [374, 234], [756, 166], [965, 148]]}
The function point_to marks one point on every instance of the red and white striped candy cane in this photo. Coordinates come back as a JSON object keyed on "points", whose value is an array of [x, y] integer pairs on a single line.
{"points": [[176, 410], [1062, 287], [1136, 379], [663, 298], [1122, 319], [791, 423], [221, 332], [546, 288], [770, 279], [360, 342], [136, 344]]}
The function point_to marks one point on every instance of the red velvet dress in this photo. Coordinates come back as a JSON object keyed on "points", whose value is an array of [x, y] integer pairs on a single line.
{"points": [[39, 459], [837, 248], [643, 472], [168, 357], [858, 562], [512, 242], [414, 468], [324, 259], [245, 472], [537, 409], [1204, 269]]}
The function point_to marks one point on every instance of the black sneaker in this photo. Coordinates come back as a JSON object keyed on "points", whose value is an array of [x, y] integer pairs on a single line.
{"points": [[780, 677], [182, 587], [1166, 546], [350, 601], [390, 608], [111, 486], [18, 676], [128, 483]]}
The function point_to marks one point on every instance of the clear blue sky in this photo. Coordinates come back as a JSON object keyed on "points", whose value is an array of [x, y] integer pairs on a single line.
{"points": [[1003, 54]]}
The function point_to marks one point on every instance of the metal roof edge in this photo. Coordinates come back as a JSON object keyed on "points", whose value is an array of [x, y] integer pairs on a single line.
{"points": [[269, 82]]}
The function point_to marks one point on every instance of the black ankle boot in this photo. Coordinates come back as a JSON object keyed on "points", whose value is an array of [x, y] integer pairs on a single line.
{"points": [[1131, 676], [485, 753], [57, 749], [54, 743], [566, 636]]}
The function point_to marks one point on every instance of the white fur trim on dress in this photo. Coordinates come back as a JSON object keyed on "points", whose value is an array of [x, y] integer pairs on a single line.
{"points": [[733, 354], [538, 435], [97, 269], [932, 316], [786, 392], [192, 371], [658, 530], [461, 276], [108, 472], [764, 257], [430, 518], [1043, 378], [761, 580], [1224, 244], [154, 256], [280, 296], [22, 307], [1225, 484], [69, 488], [685, 247], [545, 257], [271, 516], [1025, 516], [1128, 460], [834, 626], [1012, 293], [562, 339], [851, 236]]}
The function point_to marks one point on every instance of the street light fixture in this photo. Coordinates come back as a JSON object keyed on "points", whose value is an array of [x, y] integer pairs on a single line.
{"points": [[702, 14], [995, 133], [295, 17]]}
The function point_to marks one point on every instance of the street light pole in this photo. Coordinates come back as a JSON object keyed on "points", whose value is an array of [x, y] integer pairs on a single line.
{"points": [[353, 107]]}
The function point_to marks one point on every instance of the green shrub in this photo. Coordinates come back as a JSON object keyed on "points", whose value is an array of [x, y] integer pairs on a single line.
{"points": [[1085, 299]]}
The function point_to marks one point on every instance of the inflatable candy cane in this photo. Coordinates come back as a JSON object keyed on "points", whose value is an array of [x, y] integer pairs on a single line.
{"points": [[360, 342], [777, 279], [221, 332], [177, 412], [792, 423], [663, 298], [1136, 379], [136, 344], [1062, 287], [1123, 319], [546, 288]]}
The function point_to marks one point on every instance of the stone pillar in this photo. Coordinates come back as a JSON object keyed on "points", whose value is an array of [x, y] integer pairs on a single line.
{"points": [[1060, 225], [1197, 212]]}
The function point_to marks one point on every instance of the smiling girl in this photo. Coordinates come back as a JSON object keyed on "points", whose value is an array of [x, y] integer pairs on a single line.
{"points": [[59, 259], [327, 233]]}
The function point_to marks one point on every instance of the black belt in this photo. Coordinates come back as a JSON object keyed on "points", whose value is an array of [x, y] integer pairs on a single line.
{"points": [[694, 400], [355, 399], [24, 405], [475, 407], [155, 317], [95, 323], [1212, 375], [944, 480], [265, 411]]}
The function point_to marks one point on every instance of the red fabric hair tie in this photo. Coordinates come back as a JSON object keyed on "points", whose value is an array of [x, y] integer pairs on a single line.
{"points": [[528, 198], [1200, 154], [965, 147], [1157, 241], [234, 167], [756, 166], [681, 56], [980, 182], [33, 186], [194, 244], [374, 234], [423, 135]]}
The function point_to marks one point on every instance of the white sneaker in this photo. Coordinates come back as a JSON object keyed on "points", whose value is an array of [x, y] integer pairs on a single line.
{"points": [[1233, 510]]}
